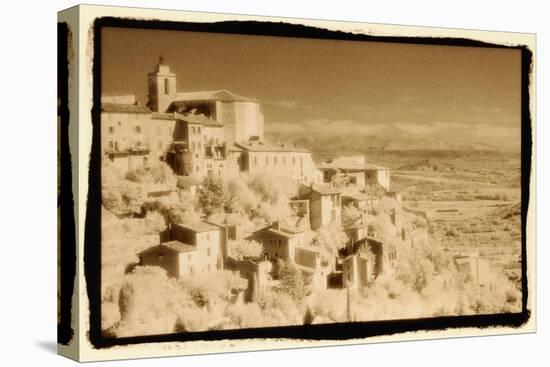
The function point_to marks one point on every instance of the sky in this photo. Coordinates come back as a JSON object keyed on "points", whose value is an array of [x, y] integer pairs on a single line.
{"points": [[352, 87]]}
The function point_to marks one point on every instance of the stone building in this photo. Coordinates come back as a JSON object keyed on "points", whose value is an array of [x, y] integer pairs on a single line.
{"points": [[240, 116], [176, 257], [355, 171], [476, 269], [279, 241], [204, 237], [286, 160], [324, 204], [198, 133]]}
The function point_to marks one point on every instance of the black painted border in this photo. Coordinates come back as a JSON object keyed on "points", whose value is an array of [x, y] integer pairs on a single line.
{"points": [[338, 331], [65, 203]]}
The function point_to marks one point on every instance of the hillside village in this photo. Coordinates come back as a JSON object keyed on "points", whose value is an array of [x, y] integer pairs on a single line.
{"points": [[238, 231]]}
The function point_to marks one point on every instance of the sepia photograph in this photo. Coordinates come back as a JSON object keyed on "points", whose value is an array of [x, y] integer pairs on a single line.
{"points": [[256, 181]]}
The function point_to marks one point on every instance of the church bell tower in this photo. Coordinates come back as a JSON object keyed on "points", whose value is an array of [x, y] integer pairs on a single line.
{"points": [[162, 87]]}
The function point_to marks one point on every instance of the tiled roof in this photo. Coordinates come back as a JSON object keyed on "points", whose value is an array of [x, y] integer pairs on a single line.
{"points": [[263, 146], [199, 227], [123, 108], [325, 189], [178, 246], [198, 119], [221, 95]]}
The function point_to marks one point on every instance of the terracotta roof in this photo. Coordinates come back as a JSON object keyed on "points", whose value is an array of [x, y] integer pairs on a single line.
{"points": [[199, 227], [222, 95], [264, 146], [123, 108]]}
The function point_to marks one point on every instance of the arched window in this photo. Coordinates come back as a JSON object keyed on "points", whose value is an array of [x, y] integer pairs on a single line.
{"points": [[166, 86]]}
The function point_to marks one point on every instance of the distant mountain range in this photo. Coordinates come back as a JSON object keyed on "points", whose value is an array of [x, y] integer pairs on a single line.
{"points": [[362, 143]]}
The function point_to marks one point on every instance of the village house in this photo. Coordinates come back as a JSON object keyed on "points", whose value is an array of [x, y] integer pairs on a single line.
{"points": [[355, 171], [205, 237], [357, 271], [259, 156], [361, 269], [475, 268], [279, 240], [256, 272], [324, 204], [308, 260], [176, 257]]}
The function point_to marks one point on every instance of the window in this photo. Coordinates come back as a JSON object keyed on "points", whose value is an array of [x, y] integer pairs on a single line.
{"points": [[138, 129], [166, 86], [116, 145], [199, 144], [208, 267], [301, 161], [208, 252], [198, 129], [293, 161], [267, 161], [197, 169], [208, 237], [119, 123], [161, 258], [111, 145], [145, 160], [275, 161], [284, 160], [191, 269], [255, 161], [111, 130]]}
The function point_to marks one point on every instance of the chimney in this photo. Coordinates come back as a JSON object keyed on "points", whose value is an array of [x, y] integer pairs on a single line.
{"points": [[276, 225]]}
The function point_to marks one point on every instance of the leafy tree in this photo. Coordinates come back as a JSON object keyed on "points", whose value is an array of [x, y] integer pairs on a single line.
{"points": [[243, 248], [210, 195], [238, 196], [159, 173], [123, 197], [331, 238], [291, 281], [174, 210]]}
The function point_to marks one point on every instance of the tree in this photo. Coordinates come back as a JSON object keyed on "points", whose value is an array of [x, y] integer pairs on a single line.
{"points": [[331, 238], [145, 303], [291, 281], [243, 248], [175, 209], [210, 195], [238, 196], [123, 197]]}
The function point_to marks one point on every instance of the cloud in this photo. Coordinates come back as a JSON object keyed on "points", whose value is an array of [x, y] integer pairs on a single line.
{"points": [[284, 104], [441, 130]]}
